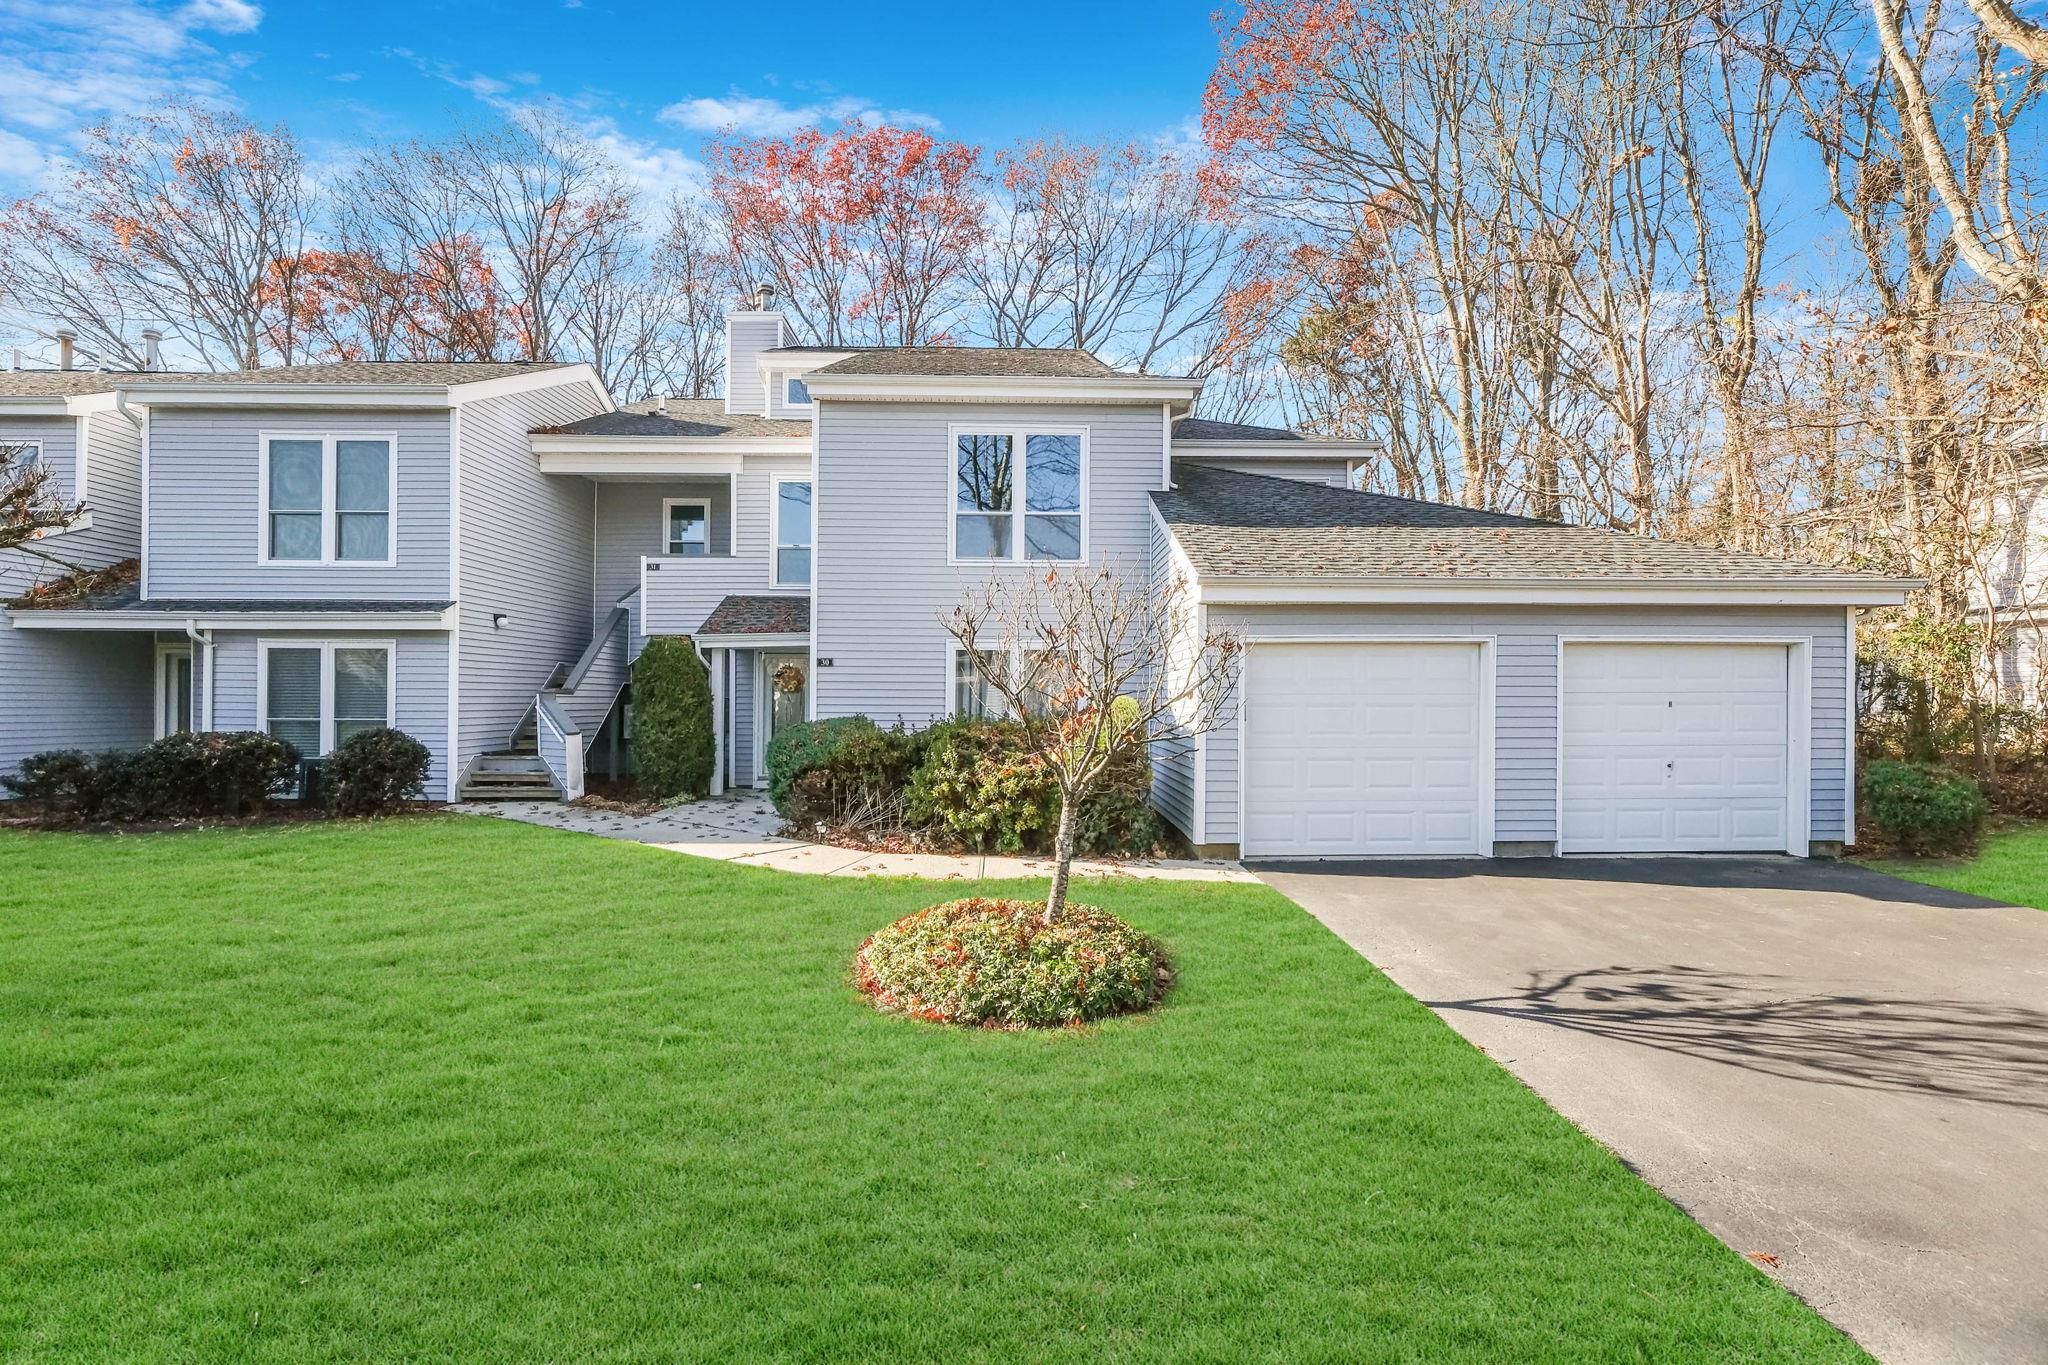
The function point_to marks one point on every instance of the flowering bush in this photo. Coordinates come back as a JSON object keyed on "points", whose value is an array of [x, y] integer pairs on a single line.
{"points": [[998, 964]]}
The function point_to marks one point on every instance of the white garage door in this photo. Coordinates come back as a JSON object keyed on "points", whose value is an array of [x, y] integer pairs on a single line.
{"points": [[1675, 748], [1364, 750]]}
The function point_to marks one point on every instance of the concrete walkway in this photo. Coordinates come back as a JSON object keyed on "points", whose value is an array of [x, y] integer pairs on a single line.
{"points": [[744, 828], [1842, 1075]]}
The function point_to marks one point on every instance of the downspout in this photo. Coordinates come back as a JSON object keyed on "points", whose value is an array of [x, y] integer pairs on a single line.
{"points": [[721, 704], [121, 406], [202, 640]]}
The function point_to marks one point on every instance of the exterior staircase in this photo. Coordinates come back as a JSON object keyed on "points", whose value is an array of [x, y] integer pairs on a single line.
{"points": [[512, 774]]}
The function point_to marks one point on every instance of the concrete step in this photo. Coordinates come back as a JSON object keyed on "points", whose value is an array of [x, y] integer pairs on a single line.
{"points": [[498, 791]]}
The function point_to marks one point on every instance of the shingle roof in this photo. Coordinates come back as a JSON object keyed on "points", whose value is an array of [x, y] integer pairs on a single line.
{"points": [[759, 614], [978, 361], [685, 417], [128, 598], [1202, 429], [1253, 525], [68, 383]]}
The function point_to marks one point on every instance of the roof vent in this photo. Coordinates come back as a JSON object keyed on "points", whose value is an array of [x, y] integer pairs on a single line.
{"points": [[152, 349], [67, 343], [661, 403], [764, 297]]}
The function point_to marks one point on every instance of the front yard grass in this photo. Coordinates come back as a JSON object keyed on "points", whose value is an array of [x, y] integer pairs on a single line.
{"points": [[460, 1089], [2011, 865]]}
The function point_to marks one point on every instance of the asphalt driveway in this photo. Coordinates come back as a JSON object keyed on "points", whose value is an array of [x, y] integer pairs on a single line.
{"points": [[1842, 1075]]}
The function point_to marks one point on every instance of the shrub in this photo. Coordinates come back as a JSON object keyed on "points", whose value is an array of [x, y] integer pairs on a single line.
{"points": [[72, 783], [177, 777], [796, 749], [997, 963], [196, 774], [376, 772], [979, 787], [1922, 809], [672, 743], [859, 783]]}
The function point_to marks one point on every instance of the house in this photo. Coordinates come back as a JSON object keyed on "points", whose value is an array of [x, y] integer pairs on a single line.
{"points": [[475, 552]]}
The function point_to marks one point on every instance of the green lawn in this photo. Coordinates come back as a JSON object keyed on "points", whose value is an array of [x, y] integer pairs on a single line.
{"points": [[466, 1090], [2011, 865]]}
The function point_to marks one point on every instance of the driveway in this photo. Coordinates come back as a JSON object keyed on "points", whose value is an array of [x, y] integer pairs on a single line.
{"points": [[1841, 1072]]}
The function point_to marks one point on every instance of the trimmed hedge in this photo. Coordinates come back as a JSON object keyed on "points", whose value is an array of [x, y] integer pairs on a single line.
{"points": [[998, 964], [981, 788], [796, 749], [1923, 809], [376, 772], [178, 777], [860, 783], [672, 742]]}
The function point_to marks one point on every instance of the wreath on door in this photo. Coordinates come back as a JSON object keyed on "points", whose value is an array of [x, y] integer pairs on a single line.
{"points": [[789, 679]]}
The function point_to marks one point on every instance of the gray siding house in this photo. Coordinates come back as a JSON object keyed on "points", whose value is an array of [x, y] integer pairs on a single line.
{"points": [[475, 553]]}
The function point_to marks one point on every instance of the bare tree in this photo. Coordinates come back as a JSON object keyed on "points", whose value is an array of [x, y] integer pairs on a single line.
{"points": [[176, 219], [29, 506], [1091, 665]]}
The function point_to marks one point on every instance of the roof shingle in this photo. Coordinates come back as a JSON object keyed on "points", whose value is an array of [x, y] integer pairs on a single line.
{"points": [[1257, 526], [973, 361], [759, 614], [1202, 429], [700, 417], [71, 383]]}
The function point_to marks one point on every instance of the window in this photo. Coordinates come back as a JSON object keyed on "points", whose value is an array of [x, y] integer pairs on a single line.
{"points": [[972, 694], [22, 456], [327, 499], [792, 533], [796, 393], [689, 526], [991, 522], [317, 695]]}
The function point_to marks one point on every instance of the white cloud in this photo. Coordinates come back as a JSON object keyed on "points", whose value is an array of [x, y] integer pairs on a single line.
{"points": [[758, 116], [68, 63]]}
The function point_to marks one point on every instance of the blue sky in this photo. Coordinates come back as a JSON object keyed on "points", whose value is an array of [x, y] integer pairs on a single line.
{"points": [[653, 79]]}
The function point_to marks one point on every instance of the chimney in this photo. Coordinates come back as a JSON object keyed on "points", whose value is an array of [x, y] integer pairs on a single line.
{"points": [[67, 340], [749, 332], [152, 349]]}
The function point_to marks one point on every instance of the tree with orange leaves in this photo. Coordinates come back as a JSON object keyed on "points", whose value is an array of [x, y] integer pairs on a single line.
{"points": [[173, 219], [867, 231]]}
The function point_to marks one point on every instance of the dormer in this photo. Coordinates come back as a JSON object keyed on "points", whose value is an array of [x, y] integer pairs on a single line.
{"points": [[749, 333]]}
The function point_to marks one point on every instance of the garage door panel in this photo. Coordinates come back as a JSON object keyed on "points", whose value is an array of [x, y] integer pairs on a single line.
{"points": [[1363, 749], [1675, 748]]}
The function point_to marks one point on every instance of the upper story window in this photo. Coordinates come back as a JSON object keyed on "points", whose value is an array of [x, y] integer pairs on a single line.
{"points": [[22, 456], [689, 526], [796, 393], [991, 520], [327, 499], [792, 533]]}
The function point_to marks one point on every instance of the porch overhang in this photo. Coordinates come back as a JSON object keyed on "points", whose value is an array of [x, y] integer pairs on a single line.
{"points": [[762, 640]]}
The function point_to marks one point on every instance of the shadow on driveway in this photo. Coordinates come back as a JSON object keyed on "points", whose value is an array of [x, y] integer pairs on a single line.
{"points": [[1963, 1049]]}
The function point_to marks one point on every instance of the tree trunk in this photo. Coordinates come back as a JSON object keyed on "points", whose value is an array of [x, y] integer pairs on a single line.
{"points": [[1063, 862]]}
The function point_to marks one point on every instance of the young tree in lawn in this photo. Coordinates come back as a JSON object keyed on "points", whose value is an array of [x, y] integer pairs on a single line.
{"points": [[1091, 664]]}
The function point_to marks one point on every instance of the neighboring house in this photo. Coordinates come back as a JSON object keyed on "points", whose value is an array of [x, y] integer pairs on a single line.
{"points": [[2010, 593], [474, 553]]}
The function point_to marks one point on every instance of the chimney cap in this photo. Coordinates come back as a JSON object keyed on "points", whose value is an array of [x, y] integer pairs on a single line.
{"points": [[764, 297]]}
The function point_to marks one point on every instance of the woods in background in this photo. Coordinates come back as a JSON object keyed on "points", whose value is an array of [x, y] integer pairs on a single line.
{"points": [[1763, 275]]}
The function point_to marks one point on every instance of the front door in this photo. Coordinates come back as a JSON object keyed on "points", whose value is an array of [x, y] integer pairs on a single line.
{"points": [[173, 692], [786, 681]]}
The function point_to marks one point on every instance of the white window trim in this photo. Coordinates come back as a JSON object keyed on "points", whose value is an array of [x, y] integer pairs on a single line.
{"points": [[19, 444], [326, 648], [164, 654], [330, 534], [776, 545], [954, 649], [668, 506], [1019, 435], [788, 377]]}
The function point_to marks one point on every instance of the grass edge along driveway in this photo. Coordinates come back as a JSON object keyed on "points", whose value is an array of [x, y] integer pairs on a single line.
{"points": [[466, 1089], [2010, 865]]}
